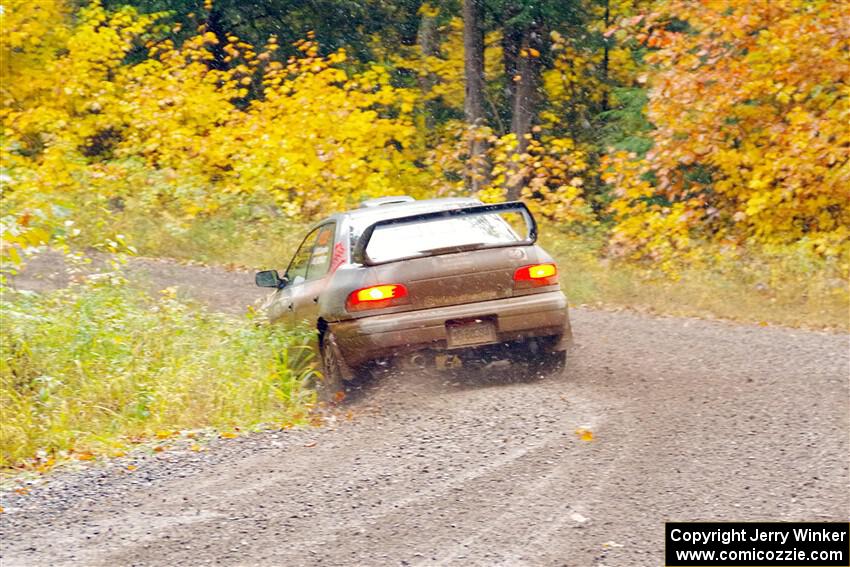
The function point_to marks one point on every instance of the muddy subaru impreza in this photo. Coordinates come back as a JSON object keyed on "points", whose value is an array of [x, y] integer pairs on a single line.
{"points": [[431, 283]]}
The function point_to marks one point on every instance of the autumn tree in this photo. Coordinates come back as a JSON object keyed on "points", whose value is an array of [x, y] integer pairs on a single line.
{"points": [[752, 129], [88, 123]]}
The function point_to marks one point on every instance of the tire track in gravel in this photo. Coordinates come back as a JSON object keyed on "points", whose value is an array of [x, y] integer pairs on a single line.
{"points": [[395, 504], [692, 420]]}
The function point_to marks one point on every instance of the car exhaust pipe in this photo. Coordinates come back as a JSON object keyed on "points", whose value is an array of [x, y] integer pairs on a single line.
{"points": [[418, 361]]}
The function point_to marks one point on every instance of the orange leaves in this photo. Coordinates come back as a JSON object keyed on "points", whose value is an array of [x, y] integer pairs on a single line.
{"points": [[747, 112]]}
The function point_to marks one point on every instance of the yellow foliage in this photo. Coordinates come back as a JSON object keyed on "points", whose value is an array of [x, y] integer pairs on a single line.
{"points": [[551, 170], [580, 76], [574, 73], [752, 121], [31, 33], [444, 70], [175, 131]]}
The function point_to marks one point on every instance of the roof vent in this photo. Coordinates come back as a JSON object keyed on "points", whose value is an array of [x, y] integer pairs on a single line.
{"points": [[369, 203]]}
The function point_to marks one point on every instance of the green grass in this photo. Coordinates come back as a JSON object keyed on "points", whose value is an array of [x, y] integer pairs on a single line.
{"points": [[89, 368]]}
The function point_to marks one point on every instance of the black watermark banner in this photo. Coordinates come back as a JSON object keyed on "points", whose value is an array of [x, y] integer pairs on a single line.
{"points": [[757, 544]]}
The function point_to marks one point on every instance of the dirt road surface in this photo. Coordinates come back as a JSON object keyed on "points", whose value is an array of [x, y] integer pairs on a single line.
{"points": [[691, 420]]}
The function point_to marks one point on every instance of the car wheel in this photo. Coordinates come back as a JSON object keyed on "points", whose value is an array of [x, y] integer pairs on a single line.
{"points": [[331, 386]]}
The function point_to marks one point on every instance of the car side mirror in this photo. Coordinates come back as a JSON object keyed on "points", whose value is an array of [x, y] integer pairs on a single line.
{"points": [[269, 278]]}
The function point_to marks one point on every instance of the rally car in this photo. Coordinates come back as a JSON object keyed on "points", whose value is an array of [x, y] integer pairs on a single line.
{"points": [[429, 283]]}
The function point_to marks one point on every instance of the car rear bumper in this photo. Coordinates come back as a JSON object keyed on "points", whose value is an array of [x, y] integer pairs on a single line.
{"points": [[382, 336]]}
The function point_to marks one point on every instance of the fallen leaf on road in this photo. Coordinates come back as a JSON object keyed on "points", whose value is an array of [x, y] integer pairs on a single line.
{"points": [[195, 447], [131, 468], [311, 444], [46, 465], [584, 434], [22, 491], [84, 456], [227, 435], [159, 449]]}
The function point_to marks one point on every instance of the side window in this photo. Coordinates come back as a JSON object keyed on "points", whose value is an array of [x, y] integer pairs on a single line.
{"points": [[313, 258], [320, 261], [297, 270]]}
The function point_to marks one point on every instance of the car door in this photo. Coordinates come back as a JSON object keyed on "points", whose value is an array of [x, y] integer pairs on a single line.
{"points": [[281, 307], [310, 273]]}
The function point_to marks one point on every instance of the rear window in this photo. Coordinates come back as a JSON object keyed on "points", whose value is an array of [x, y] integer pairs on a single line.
{"points": [[446, 235]]}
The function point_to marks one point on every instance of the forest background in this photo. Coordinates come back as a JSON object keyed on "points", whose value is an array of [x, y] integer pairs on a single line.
{"points": [[684, 157]]}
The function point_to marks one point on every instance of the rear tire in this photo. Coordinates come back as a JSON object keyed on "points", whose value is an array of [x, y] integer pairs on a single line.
{"points": [[335, 372]]}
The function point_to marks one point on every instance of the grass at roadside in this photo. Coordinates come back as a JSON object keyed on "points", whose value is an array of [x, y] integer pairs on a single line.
{"points": [[244, 236], [796, 291], [87, 369]]}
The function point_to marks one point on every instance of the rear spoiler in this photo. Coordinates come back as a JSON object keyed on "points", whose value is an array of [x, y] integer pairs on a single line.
{"points": [[359, 255]]}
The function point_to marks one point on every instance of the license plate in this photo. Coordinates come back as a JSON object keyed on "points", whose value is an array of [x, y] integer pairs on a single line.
{"points": [[471, 332]]}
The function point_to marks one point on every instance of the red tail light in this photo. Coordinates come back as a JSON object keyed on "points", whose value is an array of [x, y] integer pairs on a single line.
{"points": [[377, 297], [536, 275]]}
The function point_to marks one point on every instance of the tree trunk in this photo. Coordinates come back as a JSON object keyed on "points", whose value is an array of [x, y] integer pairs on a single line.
{"points": [[511, 44], [426, 38], [605, 58], [215, 24], [524, 102], [473, 105]]}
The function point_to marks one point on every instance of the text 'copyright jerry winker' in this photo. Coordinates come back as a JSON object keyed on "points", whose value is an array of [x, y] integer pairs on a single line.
{"points": [[757, 544]]}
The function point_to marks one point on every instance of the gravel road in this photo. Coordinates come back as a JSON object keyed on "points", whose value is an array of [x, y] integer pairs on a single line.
{"points": [[691, 420]]}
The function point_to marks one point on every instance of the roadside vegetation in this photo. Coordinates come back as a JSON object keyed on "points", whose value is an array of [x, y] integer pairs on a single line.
{"points": [[683, 158], [93, 368]]}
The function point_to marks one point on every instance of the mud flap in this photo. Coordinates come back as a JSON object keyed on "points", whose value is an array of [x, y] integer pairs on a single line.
{"points": [[566, 341]]}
